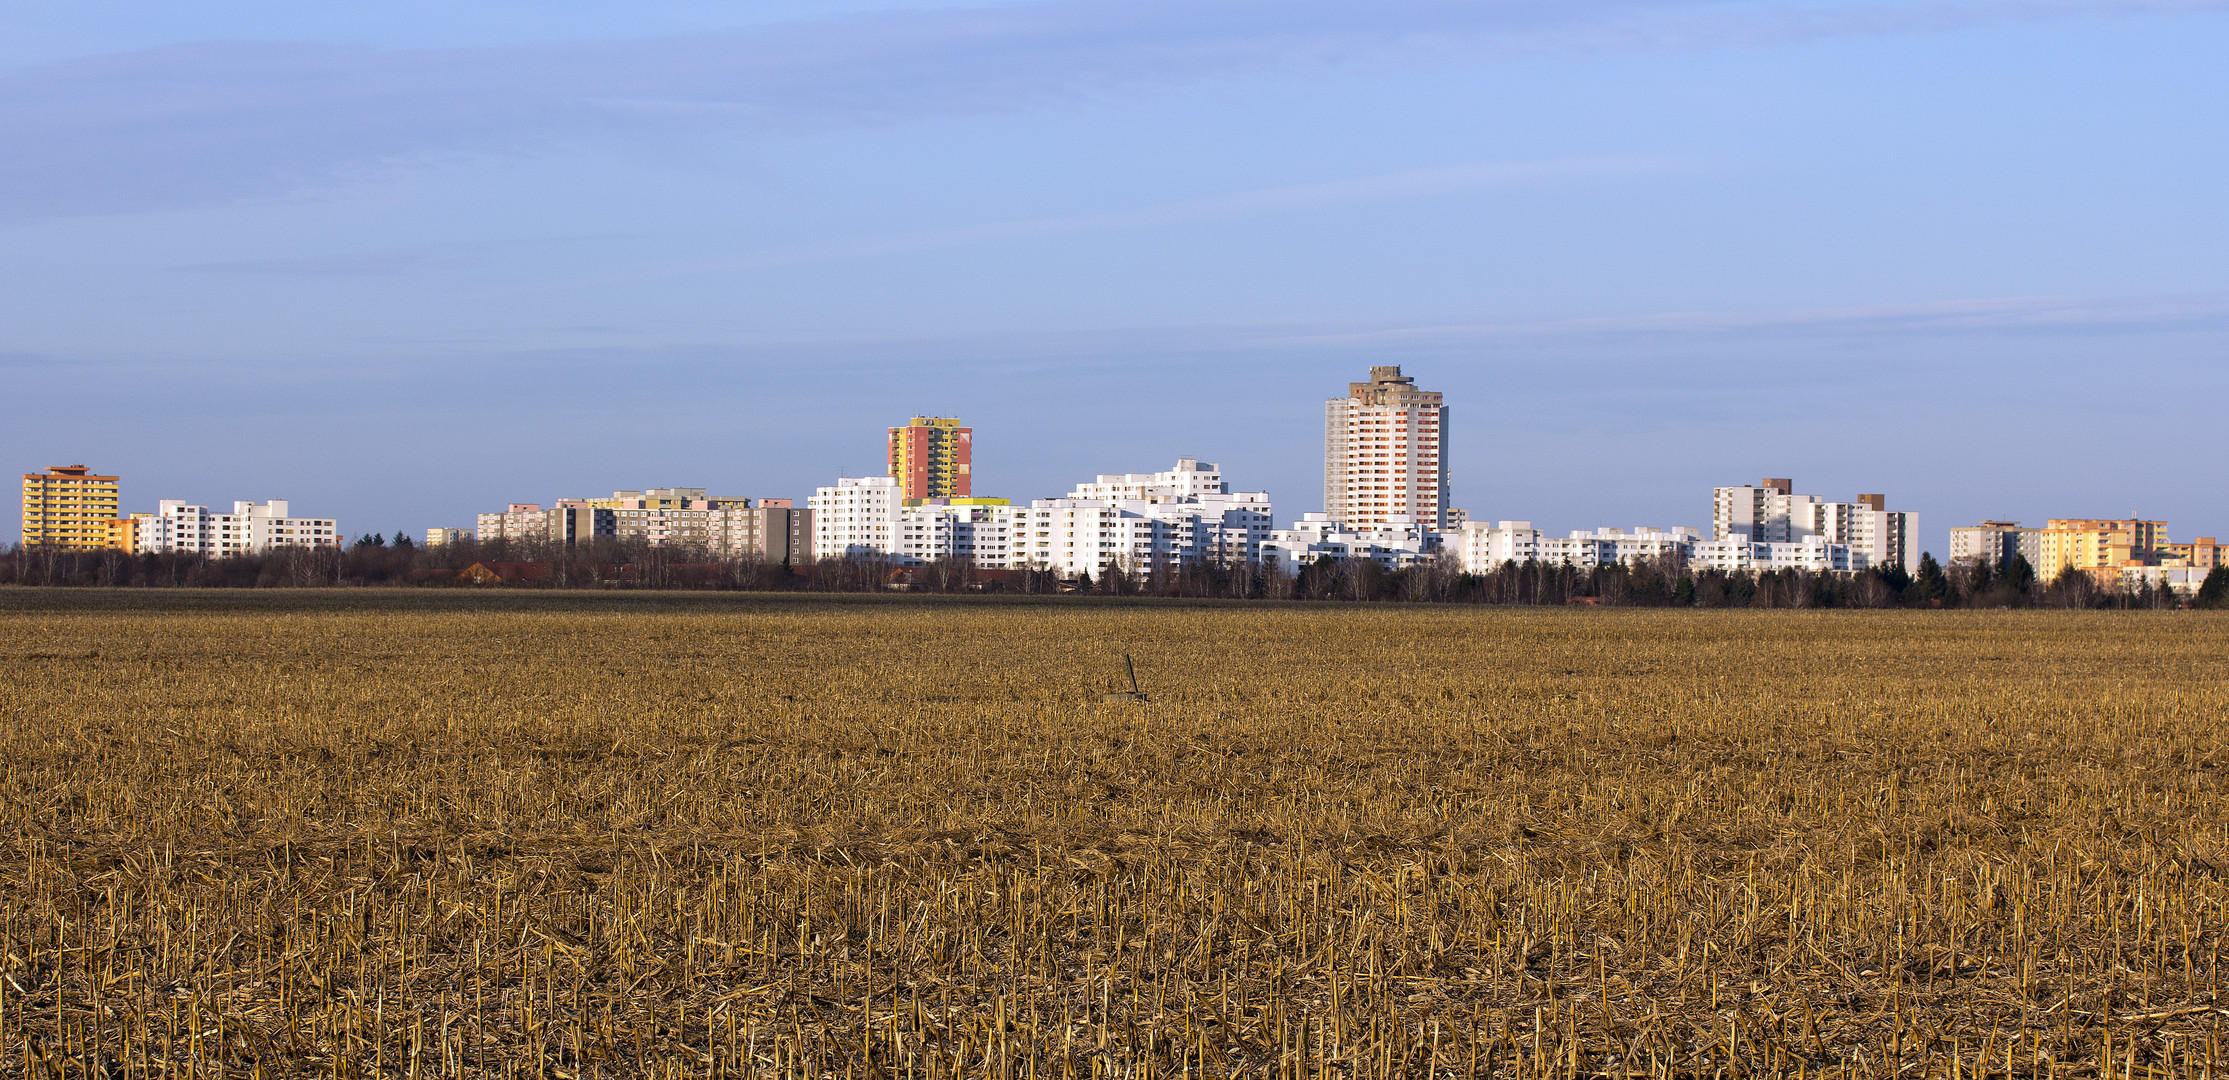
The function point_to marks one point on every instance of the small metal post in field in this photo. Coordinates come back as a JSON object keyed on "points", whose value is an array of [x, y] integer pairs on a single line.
{"points": [[1132, 696]]}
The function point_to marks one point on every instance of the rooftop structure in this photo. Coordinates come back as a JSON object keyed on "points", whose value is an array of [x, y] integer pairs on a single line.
{"points": [[67, 506], [1384, 456]]}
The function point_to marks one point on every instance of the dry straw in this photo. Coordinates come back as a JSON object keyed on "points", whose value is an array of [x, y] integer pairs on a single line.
{"points": [[737, 839]]}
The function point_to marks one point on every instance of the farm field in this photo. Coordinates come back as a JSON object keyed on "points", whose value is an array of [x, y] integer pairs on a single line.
{"points": [[426, 834]]}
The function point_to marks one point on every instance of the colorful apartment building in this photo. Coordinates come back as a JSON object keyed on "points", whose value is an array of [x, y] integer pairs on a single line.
{"points": [[1384, 454], [932, 457], [2098, 546], [68, 507], [123, 533]]}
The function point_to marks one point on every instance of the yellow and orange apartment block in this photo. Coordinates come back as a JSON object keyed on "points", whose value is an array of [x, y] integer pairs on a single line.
{"points": [[2111, 550], [67, 506]]}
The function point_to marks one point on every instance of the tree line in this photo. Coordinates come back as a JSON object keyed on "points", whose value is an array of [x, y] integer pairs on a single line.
{"points": [[606, 563]]}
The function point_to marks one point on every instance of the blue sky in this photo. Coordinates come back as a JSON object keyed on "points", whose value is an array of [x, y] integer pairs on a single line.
{"points": [[402, 263]]}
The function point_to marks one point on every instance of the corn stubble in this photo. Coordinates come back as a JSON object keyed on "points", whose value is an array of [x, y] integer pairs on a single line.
{"points": [[790, 840]]}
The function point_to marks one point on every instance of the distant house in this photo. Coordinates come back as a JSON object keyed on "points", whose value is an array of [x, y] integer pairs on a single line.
{"points": [[505, 573]]}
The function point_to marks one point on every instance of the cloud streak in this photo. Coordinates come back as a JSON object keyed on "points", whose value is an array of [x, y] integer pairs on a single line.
{"points": [[1986, 315], [1415, 183], [210, 123]]}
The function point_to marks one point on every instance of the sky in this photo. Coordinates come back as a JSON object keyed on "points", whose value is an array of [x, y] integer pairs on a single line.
{"points": [[407, 262]]}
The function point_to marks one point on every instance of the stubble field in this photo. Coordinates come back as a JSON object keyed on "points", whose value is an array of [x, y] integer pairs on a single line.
{"points": [[575, 836]]}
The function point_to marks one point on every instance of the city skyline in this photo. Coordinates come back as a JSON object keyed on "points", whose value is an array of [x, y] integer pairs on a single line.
{"points": [[1650, 249]]}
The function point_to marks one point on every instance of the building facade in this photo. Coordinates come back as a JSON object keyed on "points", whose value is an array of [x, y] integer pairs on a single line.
{"points": [[520, 521], [932, 458], [2101, 546], [1994, 542], [123, 533], [1385, 454], [1484, 546], [251, 528], [771, 531], [687, 518], [977, 531], [1130, 522], [1318, 536], [67, 506], [1771, 512], [438, 537], [857, 516]]}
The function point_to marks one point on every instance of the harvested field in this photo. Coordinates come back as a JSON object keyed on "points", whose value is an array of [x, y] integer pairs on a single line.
{"points": [[549, 835]]}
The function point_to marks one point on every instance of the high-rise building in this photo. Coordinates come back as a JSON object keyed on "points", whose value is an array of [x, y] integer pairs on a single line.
{"points": [[68, 507], [1385, 454], [1772, 513], [931, 457]]}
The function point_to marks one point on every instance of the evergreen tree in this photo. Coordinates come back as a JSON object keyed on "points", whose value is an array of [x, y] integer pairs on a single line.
{"points": [[1930, 585], [2214, 591], [2016, 574]]}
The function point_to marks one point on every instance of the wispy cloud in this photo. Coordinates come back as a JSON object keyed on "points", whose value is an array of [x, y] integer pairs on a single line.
{"points": [[1407, 184], [1995, 315], [379, 262], [213, 122]]}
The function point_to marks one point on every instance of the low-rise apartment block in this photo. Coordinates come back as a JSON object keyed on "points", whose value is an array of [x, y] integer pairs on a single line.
{"points": [[765, 530], [520, 521], [1395, 545], [1812, 553], [1994, 542], [123, 533], [1483, 546], [1129, 521], [178, 526], [438, 537], [774, 530]]}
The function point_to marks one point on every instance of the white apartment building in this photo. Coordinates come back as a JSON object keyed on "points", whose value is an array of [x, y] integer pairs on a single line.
{"points": [[1079, 536], [521, 521], [1771, 512], [1485, 547], [856, 516], [1994, 542], [1136, 521], [179, 526], [1385, 454], [970, 530], [1132, 521], [1189, 481], [1738, 553], [439, 537], [1394, 546]]}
